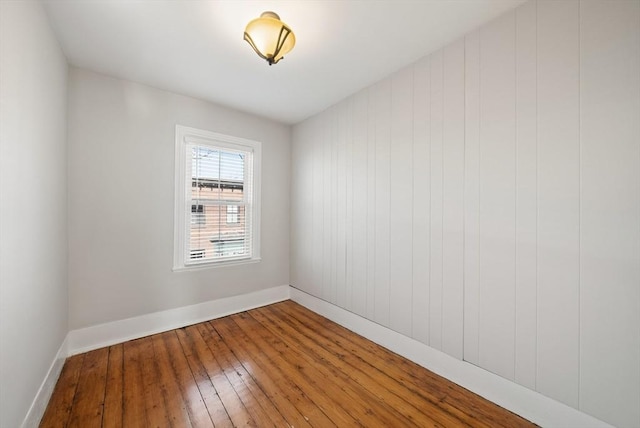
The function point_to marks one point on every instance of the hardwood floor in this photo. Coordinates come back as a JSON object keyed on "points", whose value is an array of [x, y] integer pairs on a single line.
{"points": [[276, 366]]}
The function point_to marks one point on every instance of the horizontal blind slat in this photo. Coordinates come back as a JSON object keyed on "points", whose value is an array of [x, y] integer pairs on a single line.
{"points": [[218, 192]]}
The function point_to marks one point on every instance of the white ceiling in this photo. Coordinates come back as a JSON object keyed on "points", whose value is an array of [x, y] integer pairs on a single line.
{"points": [[196, 47]]}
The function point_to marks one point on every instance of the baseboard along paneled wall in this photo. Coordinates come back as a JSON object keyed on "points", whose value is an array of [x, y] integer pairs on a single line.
{"points": [[486, 201]]}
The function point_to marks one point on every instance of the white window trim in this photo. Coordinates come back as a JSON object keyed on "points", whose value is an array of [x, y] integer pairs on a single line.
{"points": [[186, 135]]}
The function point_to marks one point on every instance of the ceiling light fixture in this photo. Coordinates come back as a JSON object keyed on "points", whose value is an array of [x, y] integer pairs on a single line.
{"points": [[269, 37]]}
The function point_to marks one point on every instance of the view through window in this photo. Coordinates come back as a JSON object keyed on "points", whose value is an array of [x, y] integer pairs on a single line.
{"points": [[221, 228]]}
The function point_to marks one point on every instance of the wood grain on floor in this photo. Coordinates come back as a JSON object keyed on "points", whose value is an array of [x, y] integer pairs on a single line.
{"points": [[276, 366]]}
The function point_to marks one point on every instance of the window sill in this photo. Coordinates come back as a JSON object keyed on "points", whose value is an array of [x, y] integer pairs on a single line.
{"points": [[215, 265]]}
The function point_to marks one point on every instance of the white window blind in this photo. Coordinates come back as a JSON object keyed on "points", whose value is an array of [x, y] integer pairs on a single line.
{"points": [[218, 203]]}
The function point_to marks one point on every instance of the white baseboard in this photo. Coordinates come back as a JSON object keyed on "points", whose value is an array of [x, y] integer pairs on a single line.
{"points": [[529, 404], [516, 398], [99, 336], [39, 404]]}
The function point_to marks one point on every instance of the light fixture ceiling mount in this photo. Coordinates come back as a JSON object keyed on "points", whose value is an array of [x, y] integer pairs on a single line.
{"points": [[269, 37]]}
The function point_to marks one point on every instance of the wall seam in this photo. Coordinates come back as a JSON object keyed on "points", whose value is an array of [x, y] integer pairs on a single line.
{"points": [[579, 205], [535, 381], [375, 201], [413, 188], [334, 225], [442, 209], [366, 204], [464, 183], [353, 138], [515, 231], [430, 212], [479, 144], [314, 190], [430, 193], [390, 133]]}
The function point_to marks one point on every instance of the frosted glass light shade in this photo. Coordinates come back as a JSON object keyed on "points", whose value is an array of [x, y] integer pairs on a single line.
{"points": [[269, 37]]}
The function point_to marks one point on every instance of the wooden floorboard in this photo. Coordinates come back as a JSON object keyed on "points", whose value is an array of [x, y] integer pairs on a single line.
{"points": [[88, 401], [134, 401], [192, 344], [364, 388], [59, 408], [276, 366], [295, 387], [114, 393], [422, 384], [336, 380]]}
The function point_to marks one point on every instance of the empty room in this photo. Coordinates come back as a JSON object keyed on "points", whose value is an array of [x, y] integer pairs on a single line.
{"points": [[321, 213]]}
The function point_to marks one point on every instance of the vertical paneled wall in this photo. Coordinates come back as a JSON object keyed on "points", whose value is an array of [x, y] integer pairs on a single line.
{"points": [[526, 196], [610, 210], [558, 115], [486, 202], [497, 202]]}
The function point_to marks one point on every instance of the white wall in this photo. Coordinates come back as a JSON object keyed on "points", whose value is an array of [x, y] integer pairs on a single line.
{"points": [[33, 205], [121, 196], [486, 202]]}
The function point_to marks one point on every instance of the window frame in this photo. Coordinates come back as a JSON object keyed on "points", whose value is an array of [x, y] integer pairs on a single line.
{"points": [[183, 137]]}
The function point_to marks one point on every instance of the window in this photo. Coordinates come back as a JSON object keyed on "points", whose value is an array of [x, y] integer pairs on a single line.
{"points": [[197, 254], [232, 214], [197, 214], [217, 214]]}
